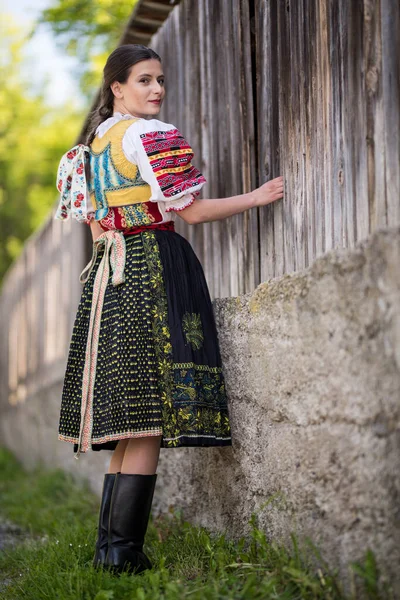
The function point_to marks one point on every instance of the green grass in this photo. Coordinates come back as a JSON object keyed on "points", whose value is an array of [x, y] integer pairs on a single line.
{"points": [[54, 563]]}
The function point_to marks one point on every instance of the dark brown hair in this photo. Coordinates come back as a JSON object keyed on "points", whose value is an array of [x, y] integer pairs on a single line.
{"points": [[117, 68]]}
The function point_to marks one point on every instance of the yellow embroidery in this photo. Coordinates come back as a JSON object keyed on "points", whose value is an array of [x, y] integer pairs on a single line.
{"points": [[115, 181], [114, 137]]}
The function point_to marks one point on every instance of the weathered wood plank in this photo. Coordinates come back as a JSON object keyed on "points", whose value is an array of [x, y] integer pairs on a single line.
{"points": [[326, 117], [390, 23], [268, 124], [250, 233]]}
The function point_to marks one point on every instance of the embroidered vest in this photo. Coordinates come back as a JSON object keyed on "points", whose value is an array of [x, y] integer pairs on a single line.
{"points": [[115, 181]]}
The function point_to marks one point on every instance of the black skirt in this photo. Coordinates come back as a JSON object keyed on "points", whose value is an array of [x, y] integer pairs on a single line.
{"points": [[147, 362]]}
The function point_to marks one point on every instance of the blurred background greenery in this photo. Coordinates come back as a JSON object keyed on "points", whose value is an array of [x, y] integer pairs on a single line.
{"points": [[51, 61]]}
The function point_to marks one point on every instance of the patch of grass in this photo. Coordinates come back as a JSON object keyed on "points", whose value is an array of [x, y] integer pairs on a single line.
{"points": [[189, 562], [41, 500]]}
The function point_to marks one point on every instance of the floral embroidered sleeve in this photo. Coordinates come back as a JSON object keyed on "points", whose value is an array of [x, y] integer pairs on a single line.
{"points": [[164, 159], [71, 183]]}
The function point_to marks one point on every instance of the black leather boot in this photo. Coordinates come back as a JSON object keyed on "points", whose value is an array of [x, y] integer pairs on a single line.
{"points": [[129, 516], [102, 534]]}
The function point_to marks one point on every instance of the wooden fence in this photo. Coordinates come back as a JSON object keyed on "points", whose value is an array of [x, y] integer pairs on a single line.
{"points": [[38, 303], [309, 89]]}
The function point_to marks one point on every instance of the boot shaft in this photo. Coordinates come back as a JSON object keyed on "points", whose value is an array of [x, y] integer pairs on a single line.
{"points": [[131, 501], [109, 480], [104, 516]]}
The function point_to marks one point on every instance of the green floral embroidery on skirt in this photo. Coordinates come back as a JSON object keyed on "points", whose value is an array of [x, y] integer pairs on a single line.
{"points": [[191, 323], [193, 395]]}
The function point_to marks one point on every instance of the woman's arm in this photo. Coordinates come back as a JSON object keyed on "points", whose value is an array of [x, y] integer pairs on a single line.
{"points": [[95, 229], [203, 211]]}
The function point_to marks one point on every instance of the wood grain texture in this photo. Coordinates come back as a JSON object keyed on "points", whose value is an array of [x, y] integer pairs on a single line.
{"points": [[308, 90]]}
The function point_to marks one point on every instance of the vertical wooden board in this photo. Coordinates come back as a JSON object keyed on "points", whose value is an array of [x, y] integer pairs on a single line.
{"points": [[217, 145], [318, 146], [301, 223], [210, 119], [297, 74], [231, 176], [210, 111], [375, 120], [359, 129], [223, 75], [251, 276], [390, 23], [43, 253], [292, 216], [193, 49], [209, 135], [283, 219], [336, 101], [309, 151], [204, 125], [267, 120], [345, 176], [184, 71], [284, 110], [355, 172], [321, 129], [228, 92], [217, 138], [327, 120], [238, 141], [4, 318]]}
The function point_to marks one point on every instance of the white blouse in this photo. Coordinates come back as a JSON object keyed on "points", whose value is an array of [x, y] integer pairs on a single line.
{"points": [[135, 153], [141, 135]]}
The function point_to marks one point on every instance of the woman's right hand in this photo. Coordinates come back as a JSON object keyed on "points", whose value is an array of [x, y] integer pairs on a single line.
{"points": [[269, 192], [215, 209]]}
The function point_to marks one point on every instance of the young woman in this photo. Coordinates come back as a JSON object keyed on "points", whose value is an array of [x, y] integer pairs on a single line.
{"points": [[144, 368]]}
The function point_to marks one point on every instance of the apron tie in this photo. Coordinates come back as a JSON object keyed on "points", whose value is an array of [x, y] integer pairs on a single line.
{"points": [[115, 254]]}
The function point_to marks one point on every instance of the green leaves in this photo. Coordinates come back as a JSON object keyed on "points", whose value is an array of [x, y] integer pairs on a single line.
{"points": [[33, 138], [89, 30]]}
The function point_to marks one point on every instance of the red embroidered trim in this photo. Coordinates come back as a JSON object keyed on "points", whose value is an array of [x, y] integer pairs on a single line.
{"points": [[163, 149]]}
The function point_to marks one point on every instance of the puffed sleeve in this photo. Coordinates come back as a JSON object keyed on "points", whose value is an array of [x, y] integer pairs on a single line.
{"points": [[164, 159], [72, 185]]}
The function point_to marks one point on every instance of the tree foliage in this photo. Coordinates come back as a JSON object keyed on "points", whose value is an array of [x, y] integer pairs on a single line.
{"points": [[33, 137], [89, 30]]}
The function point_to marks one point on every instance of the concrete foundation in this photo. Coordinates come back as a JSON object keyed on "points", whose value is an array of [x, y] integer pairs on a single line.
{"points": [[312, 366]]}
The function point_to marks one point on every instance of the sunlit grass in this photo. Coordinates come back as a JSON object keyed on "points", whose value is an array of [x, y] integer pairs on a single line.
{"points": [[55, 561]]}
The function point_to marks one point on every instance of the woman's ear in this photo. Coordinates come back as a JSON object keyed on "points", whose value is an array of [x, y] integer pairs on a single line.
{"points": [[116, 89]]}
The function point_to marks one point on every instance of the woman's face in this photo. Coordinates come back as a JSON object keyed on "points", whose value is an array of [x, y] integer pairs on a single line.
{"points": [[143, 92]]}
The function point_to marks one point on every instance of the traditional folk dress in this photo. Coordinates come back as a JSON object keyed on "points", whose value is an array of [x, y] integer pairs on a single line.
{"points": [[144, 358]]}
